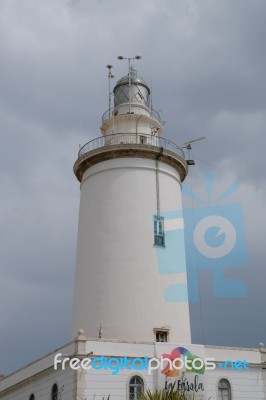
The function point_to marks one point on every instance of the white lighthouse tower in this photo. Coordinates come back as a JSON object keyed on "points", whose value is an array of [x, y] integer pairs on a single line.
{"points": [[130, 248], [129, 177]]}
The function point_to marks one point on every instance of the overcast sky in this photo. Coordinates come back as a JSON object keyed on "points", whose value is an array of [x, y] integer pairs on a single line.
{"points": [[206, 61]]}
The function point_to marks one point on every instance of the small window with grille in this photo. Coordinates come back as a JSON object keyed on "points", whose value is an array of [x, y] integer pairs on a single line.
{"points": [[159, 236], [161, 335]]}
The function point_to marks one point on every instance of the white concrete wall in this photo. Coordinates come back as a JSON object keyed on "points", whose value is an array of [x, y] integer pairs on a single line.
{"points": [[140, 122], [41, 386], [244, 384], [117, 279], [94, 385], [263, 358], [38, 378]]}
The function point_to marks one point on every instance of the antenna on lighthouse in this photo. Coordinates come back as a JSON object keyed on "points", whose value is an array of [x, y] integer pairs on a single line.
{"points": [[187, 145], [100, 331], [110, 76]]}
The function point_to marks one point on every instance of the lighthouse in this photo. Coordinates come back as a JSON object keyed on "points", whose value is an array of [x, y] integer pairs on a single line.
{"points": [[130, 176], [131, 315]]}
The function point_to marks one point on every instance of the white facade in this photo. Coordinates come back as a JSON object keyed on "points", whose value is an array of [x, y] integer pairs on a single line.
{"points": [[39, 377]]}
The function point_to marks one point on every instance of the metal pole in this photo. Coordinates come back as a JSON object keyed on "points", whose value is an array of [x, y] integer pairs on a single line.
{"points": [[110, 76], [129, 84], [109, 80]]}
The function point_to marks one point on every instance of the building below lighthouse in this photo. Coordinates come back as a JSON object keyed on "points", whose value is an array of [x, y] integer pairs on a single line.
{"points": [[131, 324]]}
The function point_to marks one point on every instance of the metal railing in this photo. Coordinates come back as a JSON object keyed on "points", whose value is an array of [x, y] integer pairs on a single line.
{"points": [[141, 139], [112, 113]]}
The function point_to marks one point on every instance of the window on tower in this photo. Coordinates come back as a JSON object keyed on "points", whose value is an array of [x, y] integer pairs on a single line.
{"points": [[161, 335], [159, 236]]}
